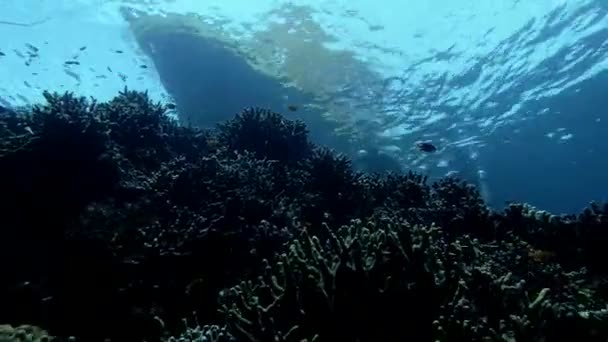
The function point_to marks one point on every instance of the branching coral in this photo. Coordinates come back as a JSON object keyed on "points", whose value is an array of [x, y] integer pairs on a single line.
{"points": [[266, 134], [143, 133], [332, 188], [119, 222], [355, 285], [23, 333], [53, 163]]}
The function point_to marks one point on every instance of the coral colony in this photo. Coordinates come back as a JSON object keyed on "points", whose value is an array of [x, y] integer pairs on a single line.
{"points": [[119, 224]]}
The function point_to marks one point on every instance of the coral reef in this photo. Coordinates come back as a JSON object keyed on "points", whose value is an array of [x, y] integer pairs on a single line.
{"points": [[385, 281], [267, 134], [23, 333], [120, 224]]}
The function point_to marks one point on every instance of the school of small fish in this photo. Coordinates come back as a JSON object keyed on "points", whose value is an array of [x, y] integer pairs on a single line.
{"points": [[31, 53]]}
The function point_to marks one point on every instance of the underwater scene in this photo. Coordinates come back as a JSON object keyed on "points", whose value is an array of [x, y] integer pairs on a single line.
{"points": [[331, 170]]}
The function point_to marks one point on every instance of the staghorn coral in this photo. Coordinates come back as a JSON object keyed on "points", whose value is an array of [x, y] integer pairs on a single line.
{"points": [[206, 333], [390, 281], [53, 163], [266, 134], [352, 286], [498, 293], [118, 223], [572, 239], [23, 333], [400, 192], [142, 133], [459, 208], [332, 188]]}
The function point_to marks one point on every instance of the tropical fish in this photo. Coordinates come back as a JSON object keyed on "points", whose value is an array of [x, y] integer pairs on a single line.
{"points": [[31, 47], [426, 146]]}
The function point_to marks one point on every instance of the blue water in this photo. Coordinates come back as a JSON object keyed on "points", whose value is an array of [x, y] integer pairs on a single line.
{"points": [[512, 93]]}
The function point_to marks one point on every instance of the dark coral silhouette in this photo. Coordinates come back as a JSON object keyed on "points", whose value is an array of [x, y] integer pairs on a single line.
{"points": [[119, 223]]}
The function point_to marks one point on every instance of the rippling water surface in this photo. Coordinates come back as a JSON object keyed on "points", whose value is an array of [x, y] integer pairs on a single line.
{"points": [[512, 92]]}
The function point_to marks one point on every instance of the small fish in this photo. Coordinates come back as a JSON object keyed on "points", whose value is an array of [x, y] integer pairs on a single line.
{"points": [[2, 54], [18, 53], [31, 47], [122, 76], [143, 66], [82, 48], [171, 106], [72, 74], [426, 146], [110, 69], [292, 108], [118, 51], [72, 63], [27, 84]]}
